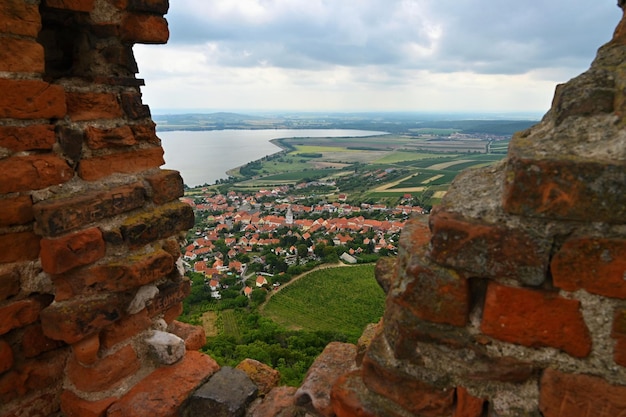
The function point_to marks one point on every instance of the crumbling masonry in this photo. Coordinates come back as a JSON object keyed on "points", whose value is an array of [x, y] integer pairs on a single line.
{"points": [[511, 303]]}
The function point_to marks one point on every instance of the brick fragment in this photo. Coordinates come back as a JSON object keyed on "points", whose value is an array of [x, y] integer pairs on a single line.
{"points": [[487, 250], [16, 211], [62, 254], [34, 342], [155, 395], [573, 395], [467, 405], [124, 329], [73, 5], [565, 189], [92, 106], [535, 318], [20, 246], [105, 374], [144, 28], [33, 172], [74, 406], [160, 223], [45, 371], [167, 186], [95, 168], [28, 138], [194, 336], [86, 350], [71, 140], [110, 138], [21, 55], [9, 281], [6, 356], [75, 319], [19, 18], [31, 99], [597, 265], [59, 216]]}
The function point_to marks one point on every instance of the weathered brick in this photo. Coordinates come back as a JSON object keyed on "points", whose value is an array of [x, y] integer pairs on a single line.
{"points": [[535, 318], [169, 296], [33, 405], [467, 405], [619, 334], [565, 189], [160, 223], [110, 138], [34, 342], [86, 351], [20, 246], [33, 172], [572, 395], [92, 106], [135, 110], [173, 312], [155, 395], [6, 356], [92, 169], [194, 336], [28, 138], [487, 250], [597, 265], [59, 216], [150, 6], [44, 371], [120, 275], [16, 211], [124, 329], [167, 186], [74, 406], [31, 99], [73, 5], [105, 374], [21, 55], [433, 293], [145, 132], [75, 319], [70, 139], [144, 28], [62, 254], [18, 17], [9, 281]]}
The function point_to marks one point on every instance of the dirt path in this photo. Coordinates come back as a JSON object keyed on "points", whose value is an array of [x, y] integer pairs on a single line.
{"points": [[294, 279]]}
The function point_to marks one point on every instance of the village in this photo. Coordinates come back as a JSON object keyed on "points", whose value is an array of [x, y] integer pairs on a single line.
{"points": [[247, 241]]}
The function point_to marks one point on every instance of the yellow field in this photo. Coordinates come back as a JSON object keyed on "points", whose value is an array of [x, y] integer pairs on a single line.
{"points": [[318, 149]]}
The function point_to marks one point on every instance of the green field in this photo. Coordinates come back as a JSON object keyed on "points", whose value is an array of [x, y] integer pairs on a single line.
{"points": [[337, 299]]}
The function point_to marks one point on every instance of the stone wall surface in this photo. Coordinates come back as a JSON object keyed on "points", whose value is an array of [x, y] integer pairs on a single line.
{"points": [[511, 303]]}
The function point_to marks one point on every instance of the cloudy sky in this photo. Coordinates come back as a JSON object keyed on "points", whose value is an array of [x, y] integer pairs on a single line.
{"points": [[371, 55]]}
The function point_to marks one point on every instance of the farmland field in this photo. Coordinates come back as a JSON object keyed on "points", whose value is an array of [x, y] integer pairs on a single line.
{"points": [[336, 299]]}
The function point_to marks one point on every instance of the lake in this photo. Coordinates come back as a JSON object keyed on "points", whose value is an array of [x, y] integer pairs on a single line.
{"points": [[202, 157]]}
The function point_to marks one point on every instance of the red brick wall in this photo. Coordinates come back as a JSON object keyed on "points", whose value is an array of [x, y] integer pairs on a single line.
{"points": [[88, 217]]}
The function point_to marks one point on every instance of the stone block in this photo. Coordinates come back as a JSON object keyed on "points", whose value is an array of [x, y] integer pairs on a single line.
{"points": [[6, 356], [75, 319], [95, 168], [166, 348], [597, 265], [21, 55], [33, 172], [74, 406], [27, 138], [16, 211], [20, 18], [20, 246], [19, 313], [31, 99], [105, 374], [226, 394], [487, 250], [156, 395], [194, 336], [536, 319], [167, 186], [64, 253], [92, 106], [264, 377], [144, 28], [574, 395], [160, 223], [62, 215], [110, 138], [9, 281], [335, 360]]}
